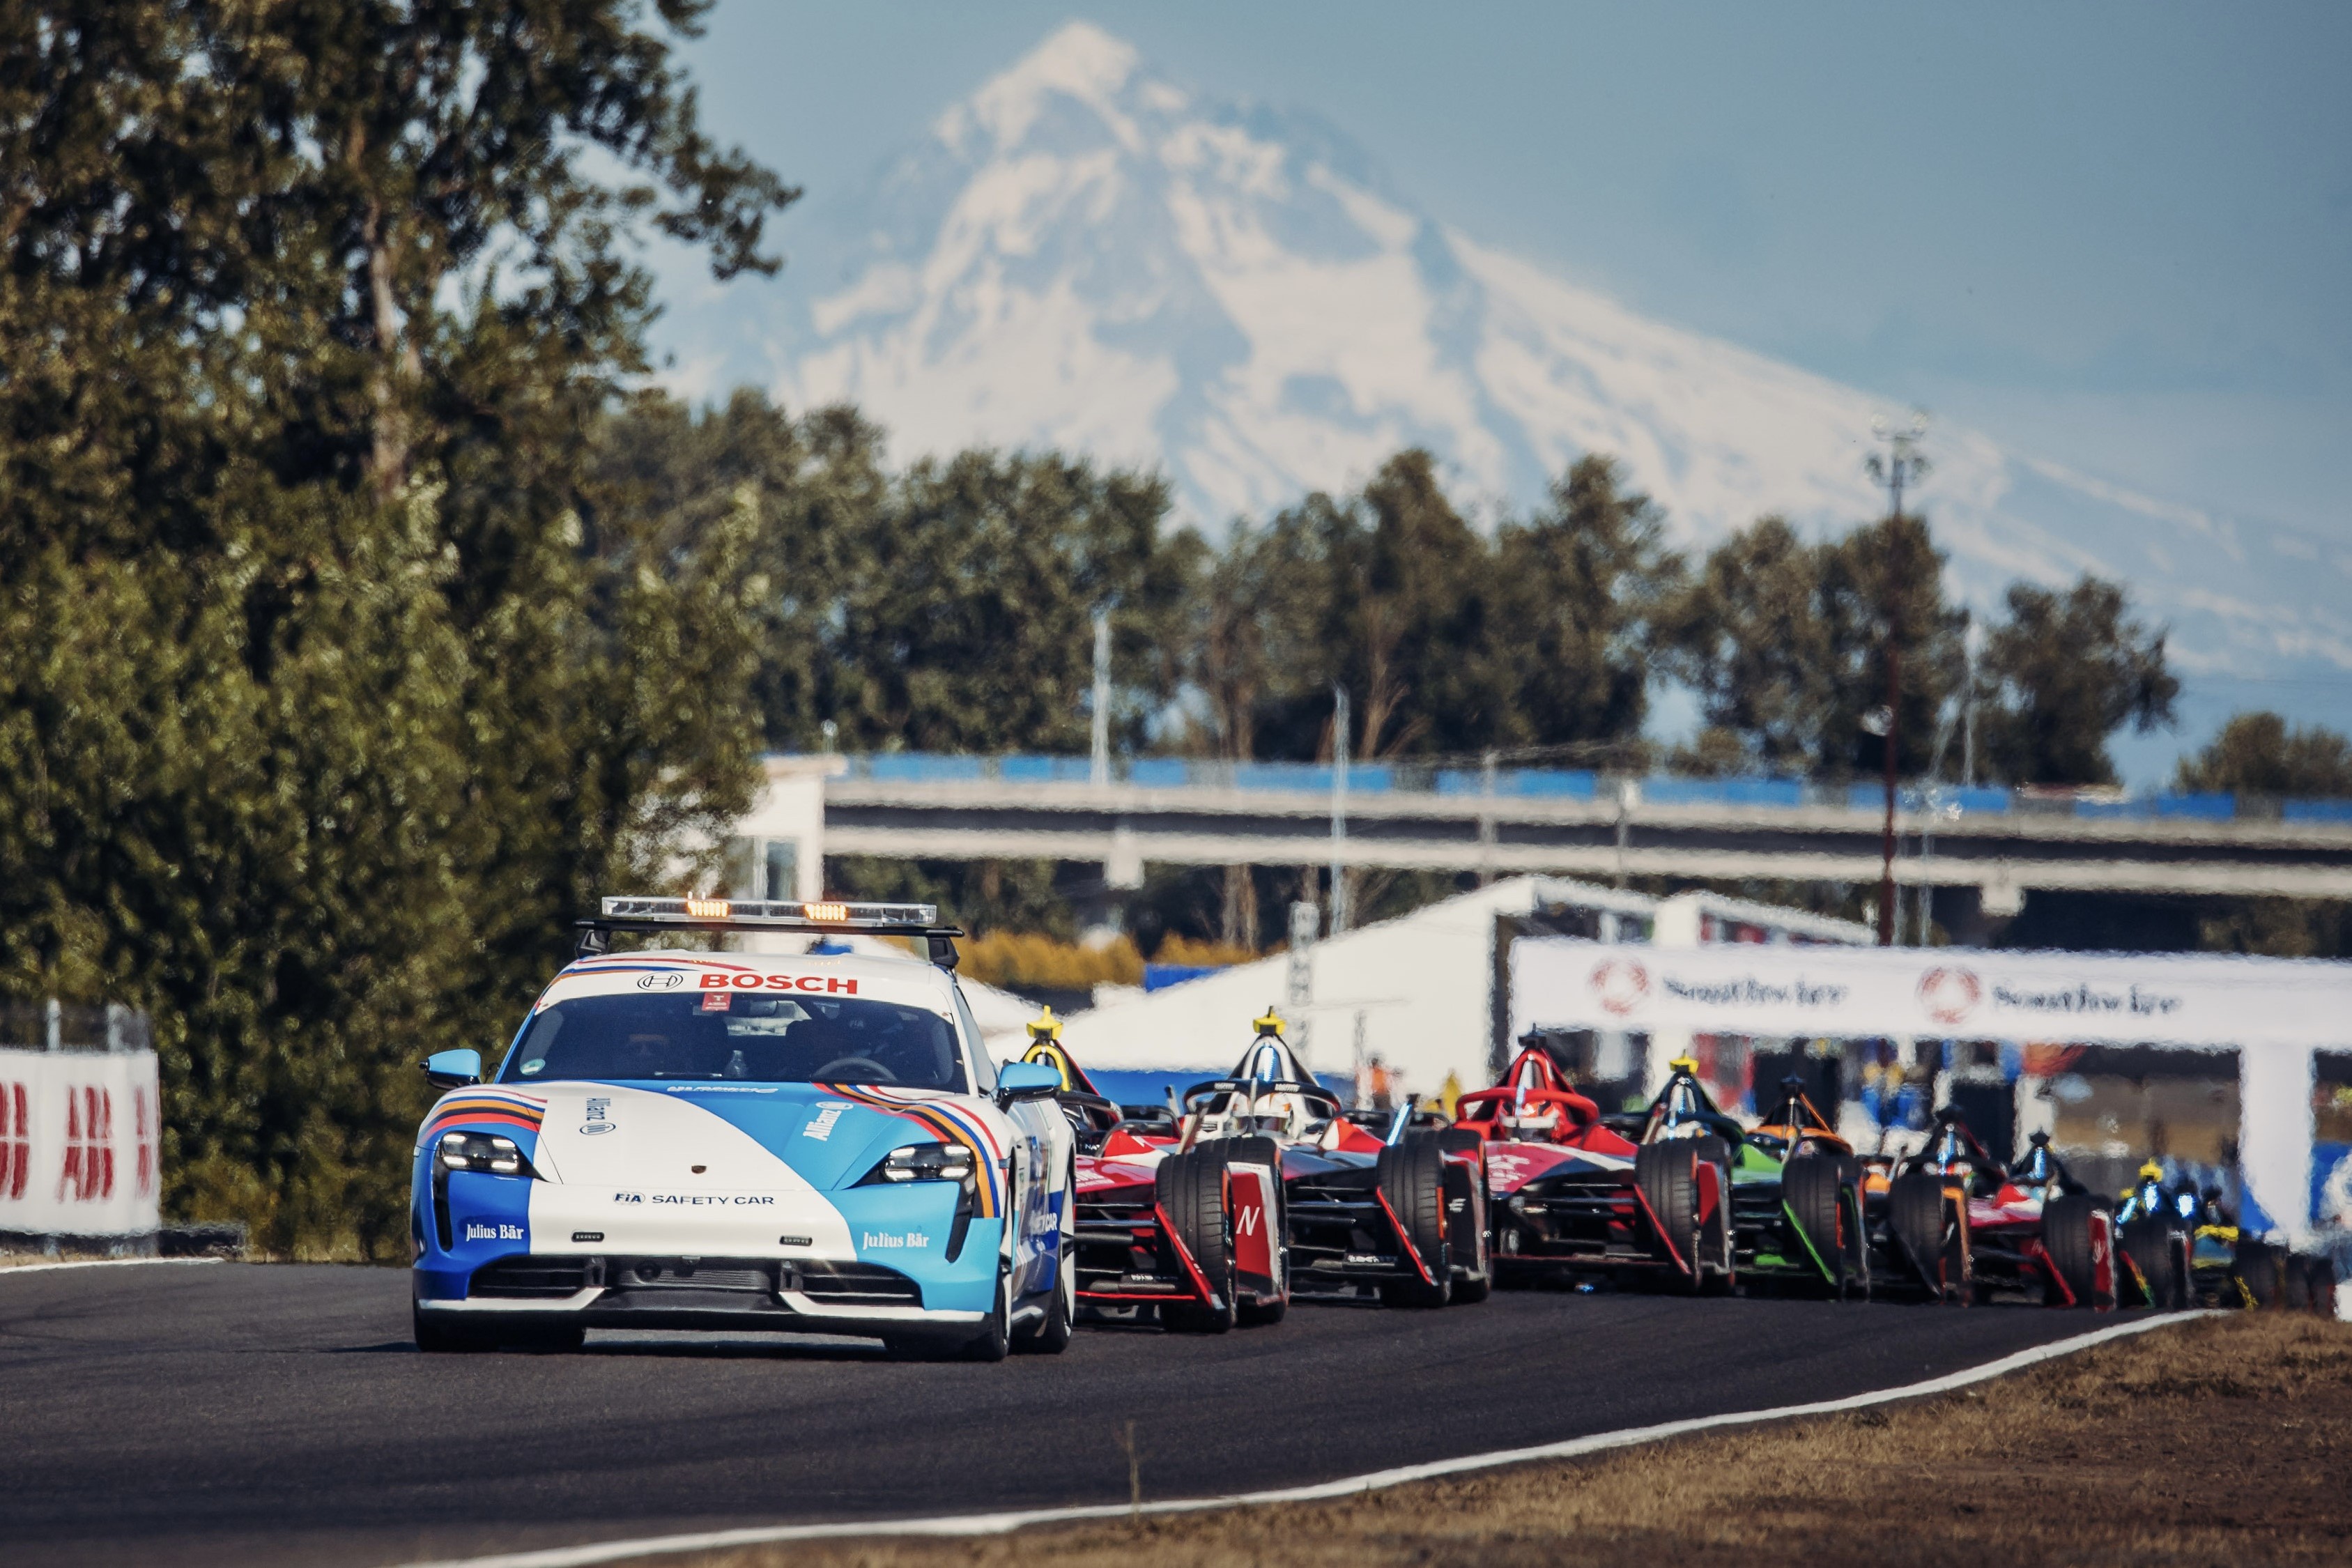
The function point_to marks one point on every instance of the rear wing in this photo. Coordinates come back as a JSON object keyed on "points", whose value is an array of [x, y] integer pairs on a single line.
{"points": [[653, 914]]}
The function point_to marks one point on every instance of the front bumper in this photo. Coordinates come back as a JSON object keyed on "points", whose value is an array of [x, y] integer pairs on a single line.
{"points": [[778, 1295]]}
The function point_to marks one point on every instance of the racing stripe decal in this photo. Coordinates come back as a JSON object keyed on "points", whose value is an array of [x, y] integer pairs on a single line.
{"points": [[478, 1107], [948, 1123]]}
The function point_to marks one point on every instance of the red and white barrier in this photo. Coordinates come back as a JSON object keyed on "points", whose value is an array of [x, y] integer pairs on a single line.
{"points": [[79, 1136]]}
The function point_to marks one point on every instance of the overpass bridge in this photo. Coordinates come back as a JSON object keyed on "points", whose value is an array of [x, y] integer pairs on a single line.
{"points": [[1997, 843]]}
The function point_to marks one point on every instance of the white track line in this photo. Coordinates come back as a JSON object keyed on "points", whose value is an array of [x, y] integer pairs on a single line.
{"points": [[1002, 1523], [101, 1263]]}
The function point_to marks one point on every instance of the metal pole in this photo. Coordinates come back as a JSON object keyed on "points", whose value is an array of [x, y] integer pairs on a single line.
{"points": [[1339, 910], [1101, 771], [1486, 819], [1886, 869], [1304, 917]]}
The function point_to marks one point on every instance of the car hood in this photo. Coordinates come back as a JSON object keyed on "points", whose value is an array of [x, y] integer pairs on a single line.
{"points": [[738, 1136]]}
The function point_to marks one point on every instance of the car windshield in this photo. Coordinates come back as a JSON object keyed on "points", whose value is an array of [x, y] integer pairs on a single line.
{"points": [[726, 1037]]}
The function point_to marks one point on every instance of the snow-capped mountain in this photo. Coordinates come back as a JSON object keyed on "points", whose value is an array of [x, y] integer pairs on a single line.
{"points": [[1088, 255]]}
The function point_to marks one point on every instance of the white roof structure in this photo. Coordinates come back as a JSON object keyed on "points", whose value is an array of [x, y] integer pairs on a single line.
{"points": [[1417, 991]]}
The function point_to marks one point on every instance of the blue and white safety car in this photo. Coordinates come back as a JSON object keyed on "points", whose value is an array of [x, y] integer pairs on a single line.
{"points": [[806, 1143]]}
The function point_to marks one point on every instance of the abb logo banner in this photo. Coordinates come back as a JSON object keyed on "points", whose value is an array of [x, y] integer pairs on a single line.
{"points": [[78, 1136]]}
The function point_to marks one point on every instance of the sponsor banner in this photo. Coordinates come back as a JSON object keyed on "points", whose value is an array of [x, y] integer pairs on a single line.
{"points": [[80, 1141], [2193, 999]]}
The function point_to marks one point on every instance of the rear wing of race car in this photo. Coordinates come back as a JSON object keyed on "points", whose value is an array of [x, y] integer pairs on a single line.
{"points": [[651, 914]]}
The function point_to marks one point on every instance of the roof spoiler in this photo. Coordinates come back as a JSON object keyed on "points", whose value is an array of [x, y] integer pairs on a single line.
{"points": [[650, 914]]}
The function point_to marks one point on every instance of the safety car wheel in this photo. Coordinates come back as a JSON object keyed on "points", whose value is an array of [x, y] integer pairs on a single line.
{"points": [[435, 1337], [995, 1336], [1411, 1177], [1467, 1234], [1666, 1177], [2067, 1224], [1821, 1204], [2150, 1245], [1190, 1188], [1052, 1336], [1931, 1231]]}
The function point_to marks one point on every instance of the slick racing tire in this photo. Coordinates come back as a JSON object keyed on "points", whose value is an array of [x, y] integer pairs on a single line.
{"points": [[1931, 1233], [1467, 1236], [1666, 1177], [2152, 1249], [1411, 1180], [1052, 1335], [2067, 1235], [1265, 1151], [1192, 1193], [1823, 1206]]}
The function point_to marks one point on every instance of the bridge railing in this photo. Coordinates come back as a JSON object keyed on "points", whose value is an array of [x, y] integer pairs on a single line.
{"points": [[1587, 784]]}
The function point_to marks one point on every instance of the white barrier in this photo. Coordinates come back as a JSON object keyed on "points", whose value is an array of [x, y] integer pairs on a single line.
{"points": [[78, 1143], [2274, 1012]]}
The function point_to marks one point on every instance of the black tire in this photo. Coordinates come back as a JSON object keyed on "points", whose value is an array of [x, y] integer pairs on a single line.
{"points": [[1411, 1177], [1192, 1193], [1467, 1236], [1719, 1266], [2067, 1224], [995, 1335], [1052, 1336], [2261, 1268], [2148, 1245], [1931, 1236], [1666, 1175], [1821, 1204], [436, 1336], [1266, 1151]]}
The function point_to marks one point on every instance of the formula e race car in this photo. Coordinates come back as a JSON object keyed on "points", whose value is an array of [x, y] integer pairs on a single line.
{"points": [[1190, 1236], [1693, 1198], [1956, 1224], [2153, 1227], [1268, 1164], [802, 1144]]}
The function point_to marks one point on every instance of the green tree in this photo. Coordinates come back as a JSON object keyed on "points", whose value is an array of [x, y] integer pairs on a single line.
{"points": [[306, 315], [2259, 753], [1578, 591], [1785, 643], [2061, 674]]}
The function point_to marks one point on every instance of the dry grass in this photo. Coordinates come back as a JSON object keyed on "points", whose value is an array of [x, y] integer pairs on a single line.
{"points": [[2227, 1441]]}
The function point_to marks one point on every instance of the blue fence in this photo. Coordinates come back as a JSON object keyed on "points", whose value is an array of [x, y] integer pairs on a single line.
{"points": [[1572, 783]]}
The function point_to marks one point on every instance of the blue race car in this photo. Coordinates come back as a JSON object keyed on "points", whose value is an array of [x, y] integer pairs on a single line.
{"points": [[804, 1142]]}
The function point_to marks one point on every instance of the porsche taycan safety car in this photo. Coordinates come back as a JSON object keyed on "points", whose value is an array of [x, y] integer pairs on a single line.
{"points": [[1958, 1225], [803, 1142]]}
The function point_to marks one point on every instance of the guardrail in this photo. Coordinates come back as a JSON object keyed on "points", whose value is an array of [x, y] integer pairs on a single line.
{"points": [[1580, 783]]}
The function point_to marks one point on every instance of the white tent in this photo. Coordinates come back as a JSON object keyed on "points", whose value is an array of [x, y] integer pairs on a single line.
{"points": [[1416, 990]]}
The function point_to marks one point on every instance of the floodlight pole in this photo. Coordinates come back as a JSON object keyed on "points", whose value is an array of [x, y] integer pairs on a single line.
{"points": [[1100, 773], [1898, 468], [1339, 910]]}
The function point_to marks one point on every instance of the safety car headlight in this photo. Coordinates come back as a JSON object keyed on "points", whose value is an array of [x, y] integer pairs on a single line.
{"points": [[481, 1151], [921, 1163]]}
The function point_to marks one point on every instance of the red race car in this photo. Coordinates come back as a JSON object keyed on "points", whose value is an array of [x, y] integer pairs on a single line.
{"points": [[1958, 1224], [1188, 1235], [1574, 1197]]}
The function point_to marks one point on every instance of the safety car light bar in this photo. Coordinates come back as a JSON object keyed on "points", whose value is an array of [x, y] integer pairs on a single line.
{"points": [[633, 913], [761, 914]]}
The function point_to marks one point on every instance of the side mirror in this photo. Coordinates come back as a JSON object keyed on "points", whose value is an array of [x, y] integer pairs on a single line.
{"points": [[452, 1069], [1026, 1081]]}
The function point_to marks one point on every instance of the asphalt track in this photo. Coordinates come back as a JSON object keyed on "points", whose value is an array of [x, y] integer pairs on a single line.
{"points": [[275, 1414]]}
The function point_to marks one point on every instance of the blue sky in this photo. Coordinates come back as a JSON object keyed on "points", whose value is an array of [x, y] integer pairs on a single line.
{"points": [[2119, 237]]}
